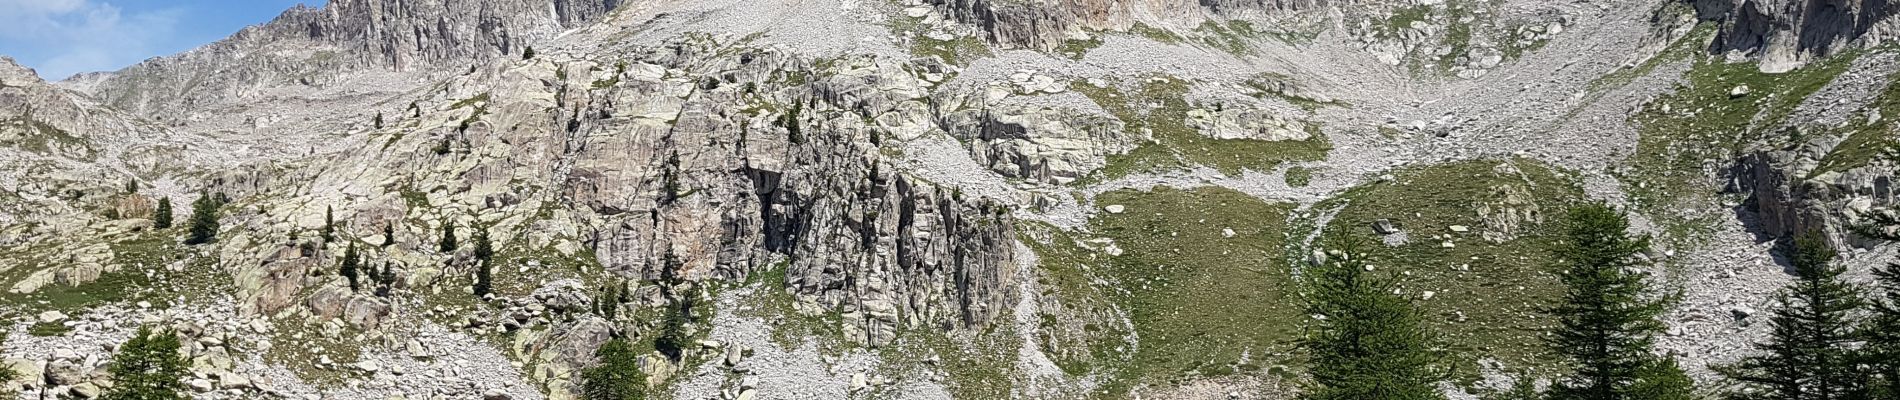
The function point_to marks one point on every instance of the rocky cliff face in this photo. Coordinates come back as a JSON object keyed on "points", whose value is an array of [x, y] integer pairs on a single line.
{"points": [[310, 47], [1038, 24], [1788, 33]]}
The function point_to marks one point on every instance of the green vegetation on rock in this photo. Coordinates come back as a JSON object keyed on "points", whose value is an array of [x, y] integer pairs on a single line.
{"points": [[1203, 302], [1474, 234], [1719, 110], [1159, 105]]}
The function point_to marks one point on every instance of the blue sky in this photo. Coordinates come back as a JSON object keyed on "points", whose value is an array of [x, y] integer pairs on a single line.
{"points": [[64, 37]]}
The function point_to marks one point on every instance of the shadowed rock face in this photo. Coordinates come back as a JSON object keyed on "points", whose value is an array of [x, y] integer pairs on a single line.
{"points": [[1789, 33], [1044, 24], [310, 46]]}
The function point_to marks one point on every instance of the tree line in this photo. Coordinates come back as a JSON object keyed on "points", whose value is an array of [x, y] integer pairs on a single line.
{"points": [[1830, 339]]}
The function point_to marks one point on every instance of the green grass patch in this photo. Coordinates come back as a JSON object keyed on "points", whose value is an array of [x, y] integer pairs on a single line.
{"points": [[141, 275], [1403, 17], [1084, 334], [1201, 302], [1158, 105], [1299, 176], [1486, 293], [1156, 34], [1077, 49], [961, 50], [1866, 141], [478, 99], [48, 329]]}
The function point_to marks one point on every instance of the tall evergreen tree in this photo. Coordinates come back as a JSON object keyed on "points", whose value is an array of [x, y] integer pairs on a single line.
{"points": [[1370, 343], [389, 234], [483, 249], [1882, 333], [204, 221], [617, 377], [386, 280], [148, 367], [350, 267], [1807, 355], [1607, 320], [162, 216], [484, 266], [448, 237], [673, 339], [328, 233], [527, 53]]}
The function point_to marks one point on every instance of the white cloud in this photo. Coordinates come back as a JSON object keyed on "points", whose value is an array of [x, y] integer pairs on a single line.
{"points": [[73, 36]]}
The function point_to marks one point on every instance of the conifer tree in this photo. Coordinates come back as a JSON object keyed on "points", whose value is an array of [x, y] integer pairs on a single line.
{"points": [[351, 265], [148, 367], [527, 53], [204, 221], [617, 377], [1807, 355], [485, 269], [1607, 320], [448, 237], [1662, 379], [1369, 342], [386, 281], [379, 120], [328, 233], [389, 234], [1882, 334], [8, 375], [162, 216], [131, 186], [673, 339]]}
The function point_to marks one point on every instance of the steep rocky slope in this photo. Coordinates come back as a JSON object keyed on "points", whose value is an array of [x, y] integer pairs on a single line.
{"points": [[915, 199]]}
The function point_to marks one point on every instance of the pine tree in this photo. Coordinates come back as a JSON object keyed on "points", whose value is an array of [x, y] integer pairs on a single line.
{"points": [[1662, 379], [328, 233], [148, 367], [1882, 333], [162, 216], [351, 263], [670, 179], [1807, 355], [1606, 325], [386, 281], [131, 186], [389, 234], [485, 269], [448, 237], [527, 53], [673, 340], [617, 377], [1370, 343], [204, 221], [379, 120], [609, 303]]}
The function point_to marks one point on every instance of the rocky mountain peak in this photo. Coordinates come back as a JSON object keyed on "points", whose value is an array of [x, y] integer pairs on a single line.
{"points": [[12, 73]]}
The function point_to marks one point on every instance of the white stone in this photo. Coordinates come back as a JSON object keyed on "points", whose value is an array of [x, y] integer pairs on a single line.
{"points": [[1115, 208]]}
